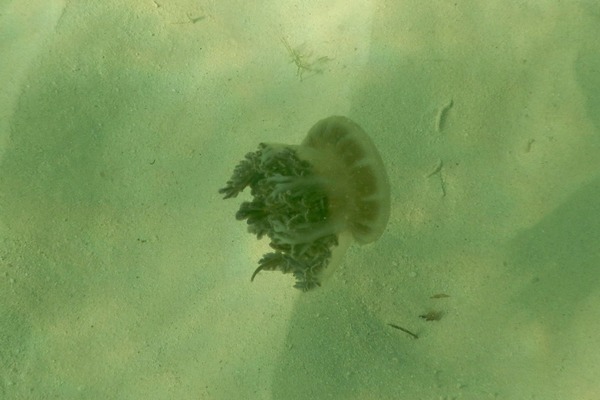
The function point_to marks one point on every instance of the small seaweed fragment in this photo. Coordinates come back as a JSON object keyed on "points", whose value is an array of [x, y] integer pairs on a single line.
{"points": [[438, 171], [304, 61], [413, 335], [440, 119], [432, 315]]}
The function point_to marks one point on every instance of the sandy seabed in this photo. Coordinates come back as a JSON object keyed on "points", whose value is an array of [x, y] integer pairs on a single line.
{"points": [[124, 275]]}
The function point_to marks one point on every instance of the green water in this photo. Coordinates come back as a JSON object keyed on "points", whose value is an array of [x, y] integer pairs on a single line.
{"points": [[124, 275]]}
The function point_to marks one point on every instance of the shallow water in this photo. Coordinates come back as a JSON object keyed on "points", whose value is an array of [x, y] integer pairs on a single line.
{"points": [[123, 274]]}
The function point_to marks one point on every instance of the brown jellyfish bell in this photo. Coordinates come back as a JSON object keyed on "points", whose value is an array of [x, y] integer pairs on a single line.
{"points": [[312, 199]]}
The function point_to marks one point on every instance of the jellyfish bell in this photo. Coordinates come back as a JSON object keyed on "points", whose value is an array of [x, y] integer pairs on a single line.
{"points": [[358, 186], [313, 199]]}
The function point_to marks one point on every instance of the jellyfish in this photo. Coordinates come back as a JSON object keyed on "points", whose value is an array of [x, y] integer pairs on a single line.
{"points": [[312, 200]]}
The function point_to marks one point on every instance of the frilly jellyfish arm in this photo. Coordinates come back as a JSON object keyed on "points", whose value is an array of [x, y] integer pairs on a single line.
{"points": [[289, 206], [245, 174]]}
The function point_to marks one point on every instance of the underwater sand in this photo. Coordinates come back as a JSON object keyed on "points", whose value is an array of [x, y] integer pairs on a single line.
{"points": [[124, 275]]}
